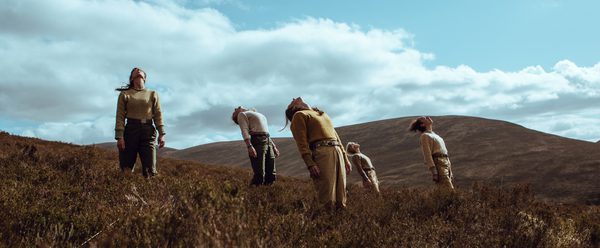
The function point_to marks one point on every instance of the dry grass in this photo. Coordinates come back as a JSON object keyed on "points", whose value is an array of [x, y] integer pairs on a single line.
{"points": [[56, 194]]}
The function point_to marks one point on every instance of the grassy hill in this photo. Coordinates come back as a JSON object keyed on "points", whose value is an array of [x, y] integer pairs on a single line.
{"points": [[481, 150], [162, 152], [57, 194]]}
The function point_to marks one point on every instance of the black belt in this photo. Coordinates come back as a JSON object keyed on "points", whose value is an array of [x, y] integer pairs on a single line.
{"points": [[439, 155], [259, 134], [138, 121], [319, 143]]}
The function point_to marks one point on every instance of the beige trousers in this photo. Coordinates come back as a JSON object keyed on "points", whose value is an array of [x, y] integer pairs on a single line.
{"points": [[331, 183], [444, 169], [374, 181]]}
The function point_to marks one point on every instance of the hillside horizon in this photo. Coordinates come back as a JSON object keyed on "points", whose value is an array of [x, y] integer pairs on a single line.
{"points": [[107, 144], [481, 150]]}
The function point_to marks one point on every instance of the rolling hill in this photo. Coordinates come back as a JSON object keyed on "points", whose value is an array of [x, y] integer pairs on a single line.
{"points": [[481, 150], [162, 152], [62, 195]]}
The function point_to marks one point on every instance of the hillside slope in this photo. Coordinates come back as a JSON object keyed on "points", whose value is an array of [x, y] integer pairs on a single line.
{"points": [[480, 150], [162, 152], [61, 195]]}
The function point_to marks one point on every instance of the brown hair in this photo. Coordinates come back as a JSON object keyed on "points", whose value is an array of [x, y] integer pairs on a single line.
{"points": [[416, 125], [130, 85], [291, 111], [234, 116]]}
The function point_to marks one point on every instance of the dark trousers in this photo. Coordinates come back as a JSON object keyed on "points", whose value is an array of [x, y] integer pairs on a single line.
{"points": [[264, 163], [139, 139]]}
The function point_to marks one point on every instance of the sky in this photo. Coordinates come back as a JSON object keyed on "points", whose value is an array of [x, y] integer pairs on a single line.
{"points": [[535, 63]]}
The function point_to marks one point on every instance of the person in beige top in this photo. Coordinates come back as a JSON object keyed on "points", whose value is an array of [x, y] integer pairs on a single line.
{"points": [[137, 109], [261, 149], [363, 165], [434, 151], [322, 151]]}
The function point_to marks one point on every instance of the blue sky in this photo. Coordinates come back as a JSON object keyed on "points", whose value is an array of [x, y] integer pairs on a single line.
{"points": [[535, 63], [486, 35]]}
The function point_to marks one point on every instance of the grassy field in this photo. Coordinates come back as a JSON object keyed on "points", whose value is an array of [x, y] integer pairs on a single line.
{"points": [[56, 194]]}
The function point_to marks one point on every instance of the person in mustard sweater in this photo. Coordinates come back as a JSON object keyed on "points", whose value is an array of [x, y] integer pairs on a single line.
{"points": [[137, 109], [434, 151], [322, 151]]}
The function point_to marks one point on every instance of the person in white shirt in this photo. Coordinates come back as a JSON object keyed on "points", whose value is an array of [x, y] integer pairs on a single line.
{"points": [[434, 151], [363, 165], [261, 149]]}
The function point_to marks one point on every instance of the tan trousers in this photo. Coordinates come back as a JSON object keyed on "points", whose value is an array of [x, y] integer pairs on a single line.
{"points": [[374, 181], [331, 184], [444, 169]]}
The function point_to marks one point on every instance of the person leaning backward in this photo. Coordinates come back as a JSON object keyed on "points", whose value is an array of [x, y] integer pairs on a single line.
{"points": [[322, 151], [364, 166], [435, 154], [261, 149], [137, 109]]}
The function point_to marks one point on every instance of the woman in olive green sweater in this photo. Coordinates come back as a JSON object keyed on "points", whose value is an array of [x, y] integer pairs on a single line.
{"points": [[321, 150], [137, 109]]}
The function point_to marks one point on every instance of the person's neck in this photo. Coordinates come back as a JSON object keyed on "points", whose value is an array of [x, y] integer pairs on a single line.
{"points": [[138, 84]]}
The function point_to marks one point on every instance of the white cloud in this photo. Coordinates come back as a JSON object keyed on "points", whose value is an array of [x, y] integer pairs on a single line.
{"points": [[63, 59]]}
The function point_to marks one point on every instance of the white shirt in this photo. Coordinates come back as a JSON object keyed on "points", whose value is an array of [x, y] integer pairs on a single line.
{"points": [[252, 121], [360, 161], [432, 143]]}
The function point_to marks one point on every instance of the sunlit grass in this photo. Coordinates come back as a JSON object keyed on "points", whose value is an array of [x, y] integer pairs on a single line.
{"points": [[56, 194]]}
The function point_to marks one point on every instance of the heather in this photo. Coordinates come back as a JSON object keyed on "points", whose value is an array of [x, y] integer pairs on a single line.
{"points": [[57, 194]]}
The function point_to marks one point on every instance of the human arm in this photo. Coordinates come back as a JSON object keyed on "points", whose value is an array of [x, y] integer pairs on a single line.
{"points": [[300, 133], [275, 150], [120, 121], [345, 154], [242, 121], [251, 151], [158, 120], [426, 144], [358, 164]]}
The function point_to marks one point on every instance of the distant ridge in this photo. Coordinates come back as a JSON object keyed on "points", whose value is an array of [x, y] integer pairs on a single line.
{"points": [[481, 150]]}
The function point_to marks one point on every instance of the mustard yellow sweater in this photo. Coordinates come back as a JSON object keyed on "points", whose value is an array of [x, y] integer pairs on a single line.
{"points": [[138, 104], [307, 127]]}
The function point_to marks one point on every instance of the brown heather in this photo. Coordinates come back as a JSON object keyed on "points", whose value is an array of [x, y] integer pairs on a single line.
{"points": [[62, 195]]}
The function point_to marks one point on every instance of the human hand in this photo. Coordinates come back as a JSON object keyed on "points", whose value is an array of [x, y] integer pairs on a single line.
{"points": [[366, 184], [435, 177], [348, 167], [314, 171], [276, 151], [121, 144], [161, 141], [252, 152]]}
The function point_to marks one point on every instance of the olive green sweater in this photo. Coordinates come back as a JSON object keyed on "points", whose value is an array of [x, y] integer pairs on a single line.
{"points": [[141, 105]]}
